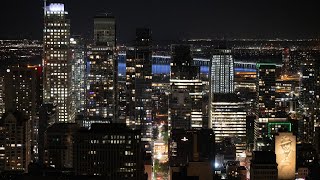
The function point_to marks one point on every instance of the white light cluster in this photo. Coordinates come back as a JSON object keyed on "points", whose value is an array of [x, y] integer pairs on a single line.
{"points": [[55, 7]]}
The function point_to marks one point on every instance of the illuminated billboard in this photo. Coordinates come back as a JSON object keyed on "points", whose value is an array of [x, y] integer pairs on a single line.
{"points": [[285, 149]]}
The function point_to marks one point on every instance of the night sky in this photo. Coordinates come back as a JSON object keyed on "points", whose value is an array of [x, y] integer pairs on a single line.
{"points": [[173, 19]]}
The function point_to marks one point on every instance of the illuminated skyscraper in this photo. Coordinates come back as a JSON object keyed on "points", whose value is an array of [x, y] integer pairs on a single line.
{"points": [[309, 95], [103, 70], [79, 73], [21, 87], [186, 103], [22, 93], [266, 92], [222, 71], [57, 62], [139, 85], [229, 120]]}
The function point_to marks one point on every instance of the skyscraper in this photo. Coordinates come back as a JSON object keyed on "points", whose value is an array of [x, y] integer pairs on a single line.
{"points": [[186, 106], [22, 93], [56, 61], [79, 73], [139, 85], [309, 95], [222, 71], [229, 120], [19, 125], [103, 70], [227, 114], [266, 92]]}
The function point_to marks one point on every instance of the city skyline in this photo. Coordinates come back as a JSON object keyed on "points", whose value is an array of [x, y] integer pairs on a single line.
{"points": [[91, 100], [172, 20]]}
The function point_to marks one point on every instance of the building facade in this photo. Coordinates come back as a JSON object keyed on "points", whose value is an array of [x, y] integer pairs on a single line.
{"points": [[22, 89], [15, 144], [103, 70], [79, 74], [139, 86], [110, 150], [263, 166], [229, 120], [57, 61], [266, 104], [187, 107], [222, 71]]}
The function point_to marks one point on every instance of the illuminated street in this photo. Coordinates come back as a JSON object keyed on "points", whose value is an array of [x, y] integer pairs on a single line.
{"points": [[160, 154]]}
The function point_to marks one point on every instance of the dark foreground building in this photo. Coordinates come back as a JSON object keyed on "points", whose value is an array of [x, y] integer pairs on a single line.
{"points": [[191, 154], [110, 150], [264, 166]]}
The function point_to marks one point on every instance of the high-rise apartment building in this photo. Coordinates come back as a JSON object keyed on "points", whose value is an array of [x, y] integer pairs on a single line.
{"points": [[57, 62], [103, 70]]}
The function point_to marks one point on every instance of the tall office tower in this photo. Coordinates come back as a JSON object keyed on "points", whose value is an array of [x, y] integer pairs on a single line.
{"points": [[56, 61], [22, 93], [186, 106], [229, 120], [79, 74], [103, 70], [14, 142], [222, 71], [112, 151], [139, 86], [309, 95], [266, 92]]}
